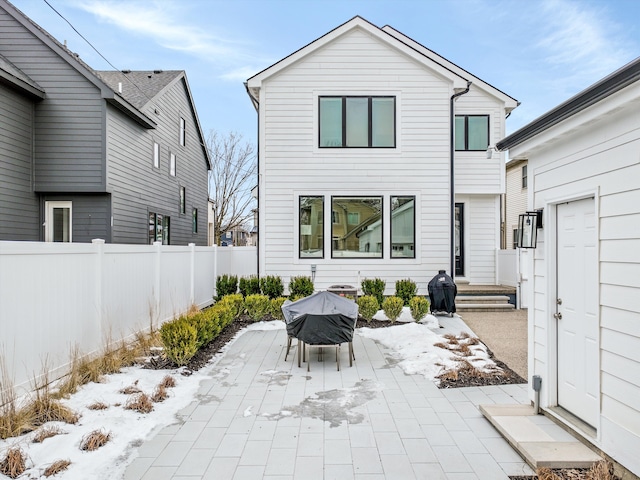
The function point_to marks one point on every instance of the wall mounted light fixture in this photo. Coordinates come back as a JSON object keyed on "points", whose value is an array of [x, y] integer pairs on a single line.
{"points": [[528, 225]]}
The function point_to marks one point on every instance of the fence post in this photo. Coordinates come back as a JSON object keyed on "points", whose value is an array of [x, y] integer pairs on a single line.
{"points": [[215, 272], [99, 247], [192, 268], [156, 287]]}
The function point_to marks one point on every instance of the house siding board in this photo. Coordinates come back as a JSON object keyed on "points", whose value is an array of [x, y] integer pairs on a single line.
{"points": [[19, 206], [69, 97], [358, 64], [601, 157], [138, 188]]}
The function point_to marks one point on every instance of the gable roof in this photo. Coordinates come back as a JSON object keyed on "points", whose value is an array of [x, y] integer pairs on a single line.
{"points": [[17, 79], [458, 79], [510, 102], [618, 80]]}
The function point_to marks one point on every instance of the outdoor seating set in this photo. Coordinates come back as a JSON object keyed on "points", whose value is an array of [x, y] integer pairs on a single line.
{"points": [[322, 320]]}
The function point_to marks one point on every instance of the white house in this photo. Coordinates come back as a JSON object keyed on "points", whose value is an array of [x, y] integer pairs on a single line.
{"points": [[360, 123], [584, 313]]}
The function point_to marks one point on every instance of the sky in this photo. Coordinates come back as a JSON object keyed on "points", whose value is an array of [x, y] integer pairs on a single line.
{"points": [[411, 344], [540, 52]]}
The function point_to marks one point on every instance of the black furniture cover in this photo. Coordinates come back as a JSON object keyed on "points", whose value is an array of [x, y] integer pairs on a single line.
{"points": [[442, 293], [323, 318]]}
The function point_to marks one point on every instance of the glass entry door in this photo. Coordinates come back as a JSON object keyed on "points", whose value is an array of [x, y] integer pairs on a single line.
{"points": [[57, 222], [459, 239]]}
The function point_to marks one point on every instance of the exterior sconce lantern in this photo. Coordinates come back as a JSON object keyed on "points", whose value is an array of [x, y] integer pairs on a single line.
{"points": [[528, 225]]}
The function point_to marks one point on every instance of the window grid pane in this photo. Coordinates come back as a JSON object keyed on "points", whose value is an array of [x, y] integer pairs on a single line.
{"points": [[363, 240], [383, 122], [403, 227], [478, 132], [460, 133], [357, 122], [311, 240], [331, 122]]}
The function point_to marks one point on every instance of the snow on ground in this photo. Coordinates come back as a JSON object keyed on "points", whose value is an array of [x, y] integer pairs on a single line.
{"points": [[412, 344]]}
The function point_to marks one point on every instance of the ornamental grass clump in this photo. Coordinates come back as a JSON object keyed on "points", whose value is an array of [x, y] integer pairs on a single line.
{"points": [[14, 463], [271, 286], [419, 307], [392, 307], [300, 287], [368, 306], [257, 306], [56, 467], [94, 440]]}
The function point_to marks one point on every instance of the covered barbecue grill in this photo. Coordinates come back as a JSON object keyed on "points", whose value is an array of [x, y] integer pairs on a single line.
{"points": [[322, 319], [442, 293]]}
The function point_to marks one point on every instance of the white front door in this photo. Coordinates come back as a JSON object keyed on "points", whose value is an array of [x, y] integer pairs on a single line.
{"points": [[57, 222], [577, 310]]}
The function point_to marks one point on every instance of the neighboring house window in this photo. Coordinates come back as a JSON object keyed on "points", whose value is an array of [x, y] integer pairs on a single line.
{"points": [[357, 122], [183, 132], [159, 227], [58, 222], [194, 220], [472, 132], [363, 240], [183, 195], [172, 164], [311, 239], [514, 240], [524, 176], [403, 221], [156, 155]]}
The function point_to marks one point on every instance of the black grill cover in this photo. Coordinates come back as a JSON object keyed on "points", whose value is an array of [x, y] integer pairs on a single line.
{"points": [[442, 293], [323, 318]]}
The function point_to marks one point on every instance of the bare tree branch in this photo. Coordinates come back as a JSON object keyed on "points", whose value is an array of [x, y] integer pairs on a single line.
{"points": [[231, 179]]}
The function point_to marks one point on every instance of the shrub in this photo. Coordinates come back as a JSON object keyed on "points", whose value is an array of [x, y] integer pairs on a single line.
{"points": [[234, 302], [406, 290], [276, 308], [257, 306], [392, 307], [419, 307], [271, 286], [375, 287], [226, 312], [368, 306], [249, 285], [180, 340], [207, 325], [226, 285], [300, 286]]}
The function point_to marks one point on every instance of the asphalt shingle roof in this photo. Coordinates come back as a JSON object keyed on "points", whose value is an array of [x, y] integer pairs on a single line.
{"points": [[139, 86]]}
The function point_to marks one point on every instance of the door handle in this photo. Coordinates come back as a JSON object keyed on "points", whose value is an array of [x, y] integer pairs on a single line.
{"points": [[557, 316]]}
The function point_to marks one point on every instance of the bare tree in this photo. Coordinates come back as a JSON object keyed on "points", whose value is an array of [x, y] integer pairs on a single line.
{"points": [[231, 178]]}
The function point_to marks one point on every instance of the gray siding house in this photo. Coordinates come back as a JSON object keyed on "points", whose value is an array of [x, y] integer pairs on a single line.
{"points": [[87, 154]]}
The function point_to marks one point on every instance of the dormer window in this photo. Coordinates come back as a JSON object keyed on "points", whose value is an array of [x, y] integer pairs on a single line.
{"points": [[357, 122]]}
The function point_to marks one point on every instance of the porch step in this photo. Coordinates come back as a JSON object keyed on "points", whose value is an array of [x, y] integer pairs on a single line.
{"points": [[467, 299], [483, 303], [537, 438]]}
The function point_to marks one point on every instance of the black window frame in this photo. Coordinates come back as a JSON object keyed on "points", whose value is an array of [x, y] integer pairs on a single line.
{"points": [[369, 120], [524, 176], [391, 251], [466, 133], [381, 256], [320, 222]]}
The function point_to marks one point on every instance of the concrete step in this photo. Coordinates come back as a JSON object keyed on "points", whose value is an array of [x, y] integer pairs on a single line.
{"points": [[538, 439], [484, 307], [460, 299]]}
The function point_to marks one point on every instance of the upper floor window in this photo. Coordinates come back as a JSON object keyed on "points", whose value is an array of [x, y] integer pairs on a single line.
{"points": [[156, 155], [194, 220], [183, 195], [172, 164], [472, 132], [183, 132], [357, 122], [524, 176]]}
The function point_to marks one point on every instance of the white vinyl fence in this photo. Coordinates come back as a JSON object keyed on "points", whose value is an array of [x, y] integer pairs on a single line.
{"points": [[512, 271], [60, 297]]}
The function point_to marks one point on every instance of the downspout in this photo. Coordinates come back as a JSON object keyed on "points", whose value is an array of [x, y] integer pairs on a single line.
{"points": [[256, 105], [452, 213]]}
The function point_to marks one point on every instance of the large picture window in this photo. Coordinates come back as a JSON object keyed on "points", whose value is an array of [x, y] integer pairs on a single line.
{"points": [[471, 132], [403, 220], [363, 239], [311, 237], [357, 122]]}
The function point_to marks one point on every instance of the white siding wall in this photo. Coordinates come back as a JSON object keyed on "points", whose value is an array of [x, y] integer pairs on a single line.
{"points": [[601, 158], [516, 201], [291, 163], [482, 237]]}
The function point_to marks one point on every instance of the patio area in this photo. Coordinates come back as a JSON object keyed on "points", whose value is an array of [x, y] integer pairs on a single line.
{"points": [[259, 416]]}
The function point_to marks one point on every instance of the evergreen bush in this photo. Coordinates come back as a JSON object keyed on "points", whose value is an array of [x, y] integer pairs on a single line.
{"points": [[406, 290], [180, 340], [226, 285], [419, 307], [276, 307], [375, 287], [249, 285], [257, 306], [392, 307], [235, 302], [300, 287], [271, 286], [368, 306]]}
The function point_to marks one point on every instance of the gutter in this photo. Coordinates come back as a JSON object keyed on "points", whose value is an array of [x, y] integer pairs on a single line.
{"points": [[256, 105], [452, 212]]}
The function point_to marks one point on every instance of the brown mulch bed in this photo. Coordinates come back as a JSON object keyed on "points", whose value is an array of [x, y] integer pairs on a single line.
{"points": [[205, 354]]}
